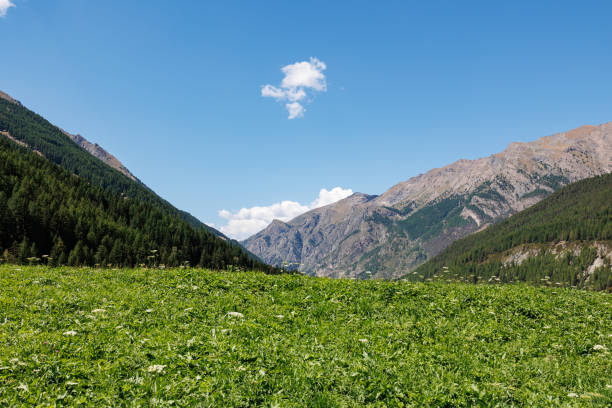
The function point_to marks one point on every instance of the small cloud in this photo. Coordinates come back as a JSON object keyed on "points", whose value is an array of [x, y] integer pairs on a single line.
{"points": [[327, 197], [248, 221], [299, 78], [4, 6], [296, 110], [305, 74]]}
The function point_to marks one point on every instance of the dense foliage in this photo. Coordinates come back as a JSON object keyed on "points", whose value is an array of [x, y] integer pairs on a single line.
{"points": [[35, 131], [580, 213], [46, 210], [186, 337]]}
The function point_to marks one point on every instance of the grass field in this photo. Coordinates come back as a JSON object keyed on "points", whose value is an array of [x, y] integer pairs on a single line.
{"points": [[186, 337]]}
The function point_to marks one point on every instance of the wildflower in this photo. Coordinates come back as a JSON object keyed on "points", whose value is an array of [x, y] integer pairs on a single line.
{"points": [[572, 395], [70, 333], [70, 383], [363, 340], [156, 368], [98, 311], [149, 310], [235, 314], [280, 316], [262, 372], [599, 347], [23, 387]]}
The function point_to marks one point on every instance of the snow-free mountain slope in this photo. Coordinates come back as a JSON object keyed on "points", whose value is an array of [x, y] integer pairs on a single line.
{"points": [[389, 235]]}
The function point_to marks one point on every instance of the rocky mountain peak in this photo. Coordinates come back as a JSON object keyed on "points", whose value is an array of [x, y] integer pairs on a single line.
{"points": [[393, 233]]}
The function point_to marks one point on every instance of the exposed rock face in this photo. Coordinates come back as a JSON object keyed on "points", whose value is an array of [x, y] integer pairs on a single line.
{"points": [[389, 235], [97, 151], [522, 253]]}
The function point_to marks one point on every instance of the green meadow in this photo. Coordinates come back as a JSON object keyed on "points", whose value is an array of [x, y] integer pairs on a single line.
{"points": [[190, 337]]}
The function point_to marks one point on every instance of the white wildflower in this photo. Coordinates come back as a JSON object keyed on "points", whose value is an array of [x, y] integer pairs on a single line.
{"points": [[572, 395], [280, 316], [23, 387], [157, 368], [235, 314], [262, 372], [149, 310], [70, 383], [363, 340], [71, 333], [599, 347], [98, 311]]}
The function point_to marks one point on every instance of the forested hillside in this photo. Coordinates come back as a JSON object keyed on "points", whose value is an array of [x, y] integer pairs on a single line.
{"points": [[46, 210], [566, 239], [40, 135]]}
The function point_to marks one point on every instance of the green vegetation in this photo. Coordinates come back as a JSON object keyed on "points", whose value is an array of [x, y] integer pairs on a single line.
{"points": [[432, 219], [580, 213], [46, 210], [187, 337], [39, 134]]}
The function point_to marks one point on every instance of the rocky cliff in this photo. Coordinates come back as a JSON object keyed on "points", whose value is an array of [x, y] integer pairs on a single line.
{"points": [[389, 235]]}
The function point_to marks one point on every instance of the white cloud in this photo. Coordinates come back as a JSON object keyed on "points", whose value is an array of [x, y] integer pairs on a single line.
{"points": [[327, 197], [248, 221], [305, 74], [295, 110], [4, 6], [299, 78]]}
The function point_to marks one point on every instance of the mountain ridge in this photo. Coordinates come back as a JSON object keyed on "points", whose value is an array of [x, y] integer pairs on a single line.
{"points": [[79, 156], [392, 233]]}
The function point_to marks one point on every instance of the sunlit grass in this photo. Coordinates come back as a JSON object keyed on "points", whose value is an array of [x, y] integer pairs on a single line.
{"points": [[187, 337]]}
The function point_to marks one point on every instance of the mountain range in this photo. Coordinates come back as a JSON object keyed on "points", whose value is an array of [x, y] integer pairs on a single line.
{"points": [[389, 235]]}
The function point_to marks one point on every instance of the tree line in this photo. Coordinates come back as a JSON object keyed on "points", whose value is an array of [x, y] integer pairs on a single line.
{"points": [[49, 214]]}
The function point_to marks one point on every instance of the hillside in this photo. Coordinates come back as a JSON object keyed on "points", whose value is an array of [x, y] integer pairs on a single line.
{"points": [[389, 235], [564, 239], [92, 337], [46, 210], [79, 156]]}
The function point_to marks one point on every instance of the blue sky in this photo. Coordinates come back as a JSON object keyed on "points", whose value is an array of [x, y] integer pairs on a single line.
{"points": [[174, 89]]}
